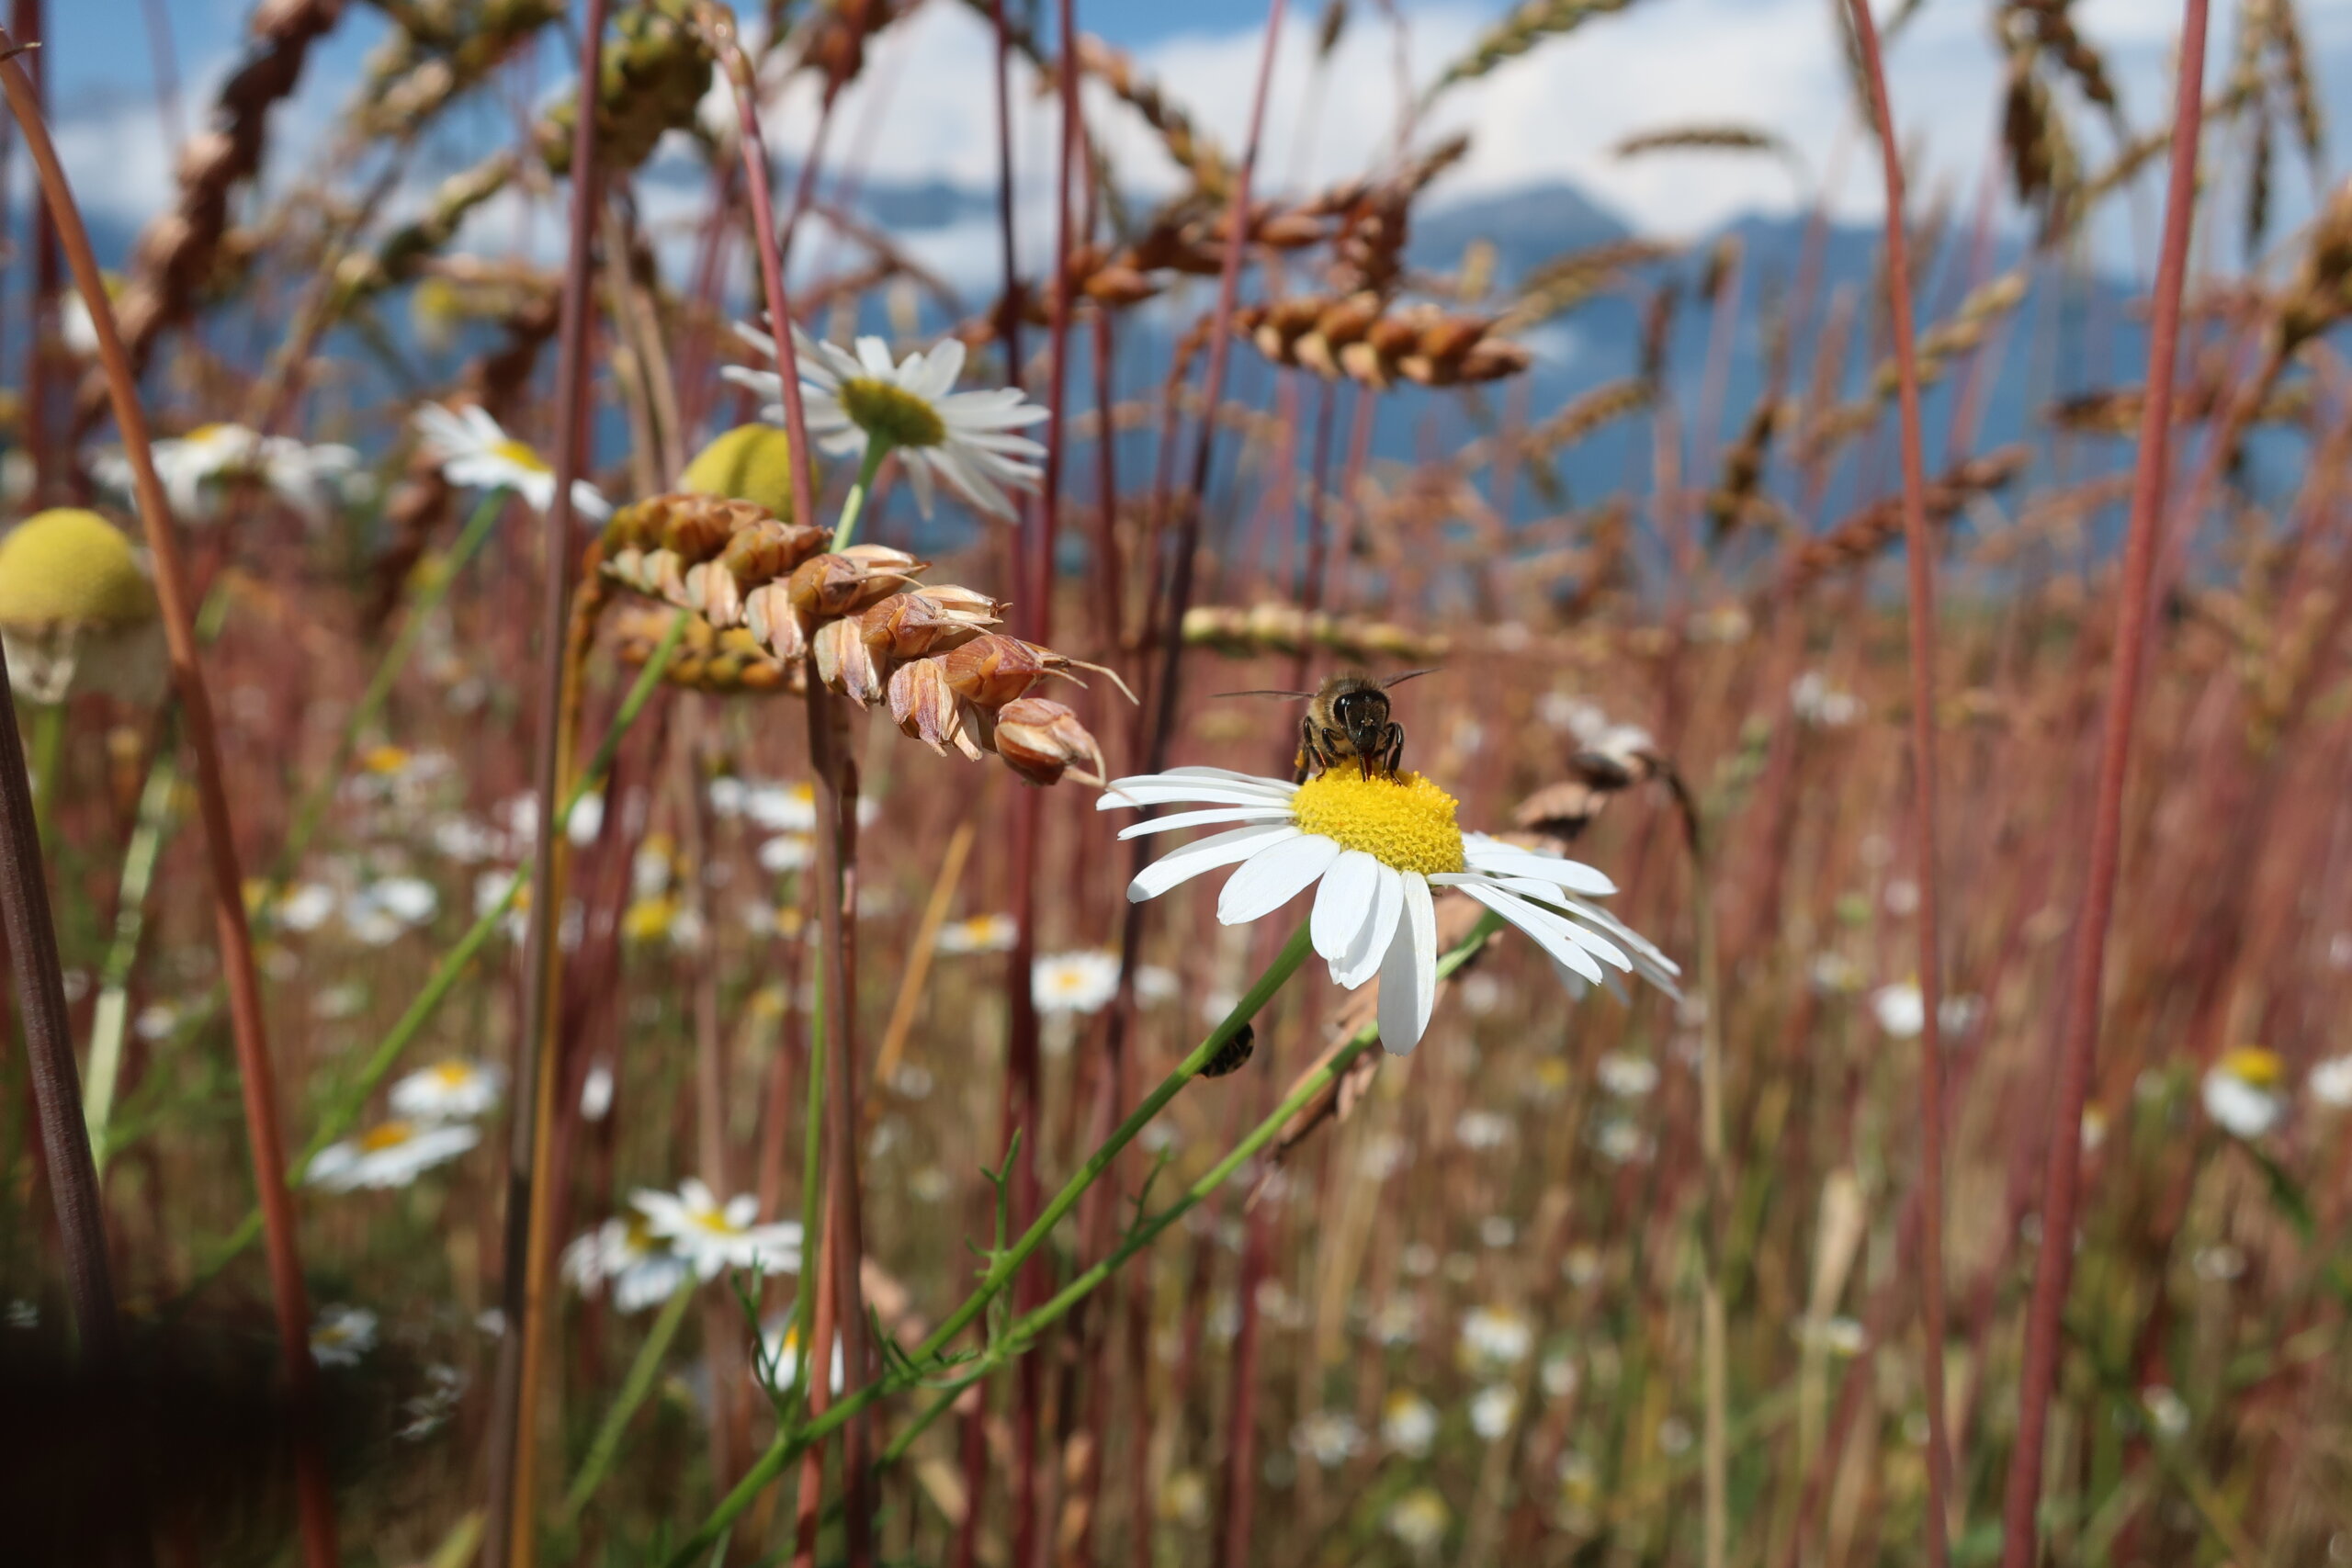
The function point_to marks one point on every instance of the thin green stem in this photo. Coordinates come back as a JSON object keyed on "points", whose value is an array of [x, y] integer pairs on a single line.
{"points": [[48, 752], [845, 531], [346, 1107], [109, 1023], [634, 1388], [927, 1361]]}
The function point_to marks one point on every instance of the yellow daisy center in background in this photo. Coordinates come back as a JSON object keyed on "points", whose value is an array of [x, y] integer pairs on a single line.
{"points": [[1404, 821], [888, 411], [454, 1075], [2252, 1064], [522, 457], [388, 1135]]}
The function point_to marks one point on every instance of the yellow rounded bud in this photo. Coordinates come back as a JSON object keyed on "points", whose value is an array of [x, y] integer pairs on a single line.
{"points": [[750, 462], [70, 567]]}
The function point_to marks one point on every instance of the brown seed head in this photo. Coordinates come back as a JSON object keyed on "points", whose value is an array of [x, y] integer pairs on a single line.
{"points": [[1042, 740], [925, 707], [837, 583]]}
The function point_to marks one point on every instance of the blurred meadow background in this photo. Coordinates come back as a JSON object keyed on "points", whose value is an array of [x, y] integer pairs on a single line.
{"points": [[404, 515]]}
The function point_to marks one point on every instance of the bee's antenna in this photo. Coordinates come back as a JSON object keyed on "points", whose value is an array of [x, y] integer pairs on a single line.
{"points": [[1399, 679], [1302, 695]]}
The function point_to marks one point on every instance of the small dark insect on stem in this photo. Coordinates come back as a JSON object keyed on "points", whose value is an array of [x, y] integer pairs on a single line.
{"points": [[2053, 1270]]}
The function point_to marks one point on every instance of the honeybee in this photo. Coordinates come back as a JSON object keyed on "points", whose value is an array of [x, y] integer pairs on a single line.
{"points": [[1348, 717], [1232, 1053]]}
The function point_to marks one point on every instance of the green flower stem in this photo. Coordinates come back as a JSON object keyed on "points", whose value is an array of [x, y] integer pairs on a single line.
{"points": [[48, 752], [845, 531], [113, 1012], [312, 810], [812, 1240], [346, 1108], [928, 1361], [634, 1388]]}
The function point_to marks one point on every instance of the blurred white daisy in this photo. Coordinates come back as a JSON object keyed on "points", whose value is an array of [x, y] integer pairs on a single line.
{"points": [[1329, 1437], [476, 452], [1494, 1338], [979, 934], [1419, 1521], [1408, 1423], [1492, 1410], [714, 1236], [1074, 982], [596, 1093], [1626, 1076], [1376, 846], [2243, 1091], [341, 1335], [2331, 1082], [642, 1268], [192, 467], [390, 1154], [851, 399], [451, 1090], [1900, 1009]]}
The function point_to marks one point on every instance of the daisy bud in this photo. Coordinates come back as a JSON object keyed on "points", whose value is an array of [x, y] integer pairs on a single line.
{"points": [[844, 663], [925, 708], [1041, 740], [77, 613], [750, 462]]}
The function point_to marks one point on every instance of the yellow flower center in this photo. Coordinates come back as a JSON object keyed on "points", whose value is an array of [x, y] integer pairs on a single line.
{"points": [[716, 1222], [386, 1135], [69, 567], [1404, 821], [384, 759], [513, 451], [453, 1074], [890, 412], [2253, 1064]]}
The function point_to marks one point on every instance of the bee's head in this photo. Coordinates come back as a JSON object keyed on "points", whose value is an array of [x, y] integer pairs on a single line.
{"points": [[1363, 713]]}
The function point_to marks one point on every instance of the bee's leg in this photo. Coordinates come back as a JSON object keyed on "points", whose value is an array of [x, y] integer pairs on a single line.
{"points": [[1395, 752], [1306, 752]]}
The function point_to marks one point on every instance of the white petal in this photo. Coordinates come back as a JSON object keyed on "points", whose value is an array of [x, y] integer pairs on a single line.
{"points": [[1654, 965], [874, 356], [947, 364], [919, 476], [1273, 876], [1409, 973], [1344, 904], [1281, 789], [1543, 897], [1205, 819], [1493, 855], [1361, 961], [1543, 929], [1181, 865], [1155, 790]]}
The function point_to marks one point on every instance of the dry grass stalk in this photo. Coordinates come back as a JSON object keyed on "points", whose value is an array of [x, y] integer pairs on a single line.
{"points": [[1859, 539], [1530, 24]]}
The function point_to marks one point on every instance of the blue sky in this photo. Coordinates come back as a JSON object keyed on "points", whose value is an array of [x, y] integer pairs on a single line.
{"points": [[923, 111]]}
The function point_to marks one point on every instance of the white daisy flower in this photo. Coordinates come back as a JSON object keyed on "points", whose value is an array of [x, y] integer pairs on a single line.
{"points": [[1900, 1009], [1079, 982], [1377, 845], [979, 934], [712, 1237], [596, 1093], [390, 1154], [1626, 1076], [624, 1252], [476, 452], [1408, 1423], [852, 399], [2243, 1091], [451, 1090], [341, 1335], [192, 467]]}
